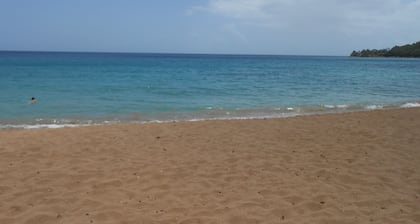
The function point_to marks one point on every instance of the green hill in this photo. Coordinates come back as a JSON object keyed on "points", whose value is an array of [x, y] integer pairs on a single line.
{"points": [[408, 50]]}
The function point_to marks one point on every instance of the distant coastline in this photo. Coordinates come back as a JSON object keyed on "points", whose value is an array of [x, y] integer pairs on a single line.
{"points": [[407, 51]]}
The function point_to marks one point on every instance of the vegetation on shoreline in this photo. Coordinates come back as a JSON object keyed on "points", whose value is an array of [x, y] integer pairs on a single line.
{"points": [[408, 50]]}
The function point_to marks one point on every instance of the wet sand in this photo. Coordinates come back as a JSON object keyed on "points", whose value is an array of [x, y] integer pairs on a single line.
{"points": [[361, 167]]}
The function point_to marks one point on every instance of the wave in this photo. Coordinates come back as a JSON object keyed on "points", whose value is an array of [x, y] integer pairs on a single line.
{"points": [[207, 113], [374, 107], [409, 105], [37, 126]]}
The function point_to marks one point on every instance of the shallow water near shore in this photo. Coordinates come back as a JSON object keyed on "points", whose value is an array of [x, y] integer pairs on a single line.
{"points": [[100, 88]]}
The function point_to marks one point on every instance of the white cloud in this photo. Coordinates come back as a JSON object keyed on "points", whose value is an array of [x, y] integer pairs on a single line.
{"points": [[342, 14], [242, 9], [233, 30], [313, 26]]}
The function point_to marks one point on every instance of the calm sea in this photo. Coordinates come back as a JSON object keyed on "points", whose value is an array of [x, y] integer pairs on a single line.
{"points": [[101, 88]]}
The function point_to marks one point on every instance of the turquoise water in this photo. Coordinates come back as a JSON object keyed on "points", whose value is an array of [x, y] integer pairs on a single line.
{"points": [[99, 88]]}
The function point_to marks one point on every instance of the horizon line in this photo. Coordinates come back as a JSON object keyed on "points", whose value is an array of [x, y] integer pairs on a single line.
{"points": [[169, 53]]}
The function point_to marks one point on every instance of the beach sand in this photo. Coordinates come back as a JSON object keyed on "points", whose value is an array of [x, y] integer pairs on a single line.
{"points": [[361, 167]]}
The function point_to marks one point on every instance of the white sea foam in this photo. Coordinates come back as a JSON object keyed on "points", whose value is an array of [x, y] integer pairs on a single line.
{"points": [[373, 107], [342, 106], [38, 126], [217, 114], [409, 105], [50, 126]]}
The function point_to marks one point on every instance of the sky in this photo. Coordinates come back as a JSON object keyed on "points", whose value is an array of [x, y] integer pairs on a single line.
{"points": [[285, 27]]}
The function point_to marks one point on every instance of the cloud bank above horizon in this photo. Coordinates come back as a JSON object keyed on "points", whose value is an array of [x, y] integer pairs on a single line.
{"points": [[306, 27], [326, 24]]}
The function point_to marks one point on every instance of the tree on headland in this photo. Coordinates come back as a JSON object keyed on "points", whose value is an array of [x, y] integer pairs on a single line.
{"points": [[408, 50]]}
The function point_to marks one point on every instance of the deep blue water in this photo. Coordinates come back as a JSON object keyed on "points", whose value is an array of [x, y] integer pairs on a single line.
{"points": [[89, 88]]}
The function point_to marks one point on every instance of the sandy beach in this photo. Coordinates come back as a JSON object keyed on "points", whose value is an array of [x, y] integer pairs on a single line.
{"points": [[361, 167]]}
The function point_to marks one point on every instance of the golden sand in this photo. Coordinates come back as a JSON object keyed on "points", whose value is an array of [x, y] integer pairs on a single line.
{"points": [[359, 167]]}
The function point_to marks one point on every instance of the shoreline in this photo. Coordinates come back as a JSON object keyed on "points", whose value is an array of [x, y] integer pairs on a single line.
{"points": [[41, 123], [357, 167]]}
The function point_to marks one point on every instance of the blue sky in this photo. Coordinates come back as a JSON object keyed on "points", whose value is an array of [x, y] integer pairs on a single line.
{"points": [[297, 27]]}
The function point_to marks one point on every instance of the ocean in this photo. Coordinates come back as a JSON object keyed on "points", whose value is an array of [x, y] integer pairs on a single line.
{"points": [[75, 89]]}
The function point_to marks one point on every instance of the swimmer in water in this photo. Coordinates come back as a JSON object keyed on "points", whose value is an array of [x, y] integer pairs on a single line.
{"points": [[33, 100]]}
